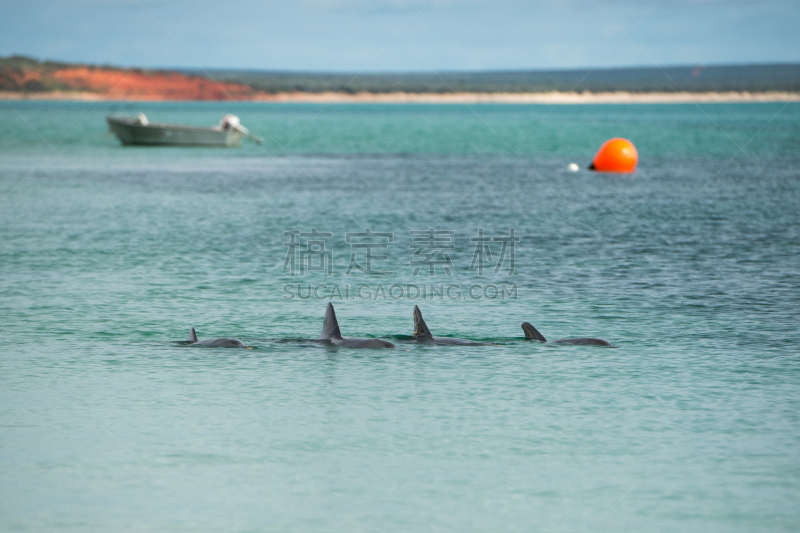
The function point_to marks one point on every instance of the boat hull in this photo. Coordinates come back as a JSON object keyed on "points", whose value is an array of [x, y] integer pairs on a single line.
{"points": [[131, 131]]}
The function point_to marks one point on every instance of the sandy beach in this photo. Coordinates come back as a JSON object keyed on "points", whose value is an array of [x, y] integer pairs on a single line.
{"points": [[534, 98], [460, 98]]}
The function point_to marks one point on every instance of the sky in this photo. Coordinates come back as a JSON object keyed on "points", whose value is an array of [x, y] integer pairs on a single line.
{"points": [[402, 35]]}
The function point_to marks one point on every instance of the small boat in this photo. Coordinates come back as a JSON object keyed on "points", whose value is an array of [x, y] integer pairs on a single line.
{"points": [[141, 131]]}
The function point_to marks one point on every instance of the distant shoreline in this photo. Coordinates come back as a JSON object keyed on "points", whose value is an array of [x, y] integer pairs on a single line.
{"points": [[620, 97]]}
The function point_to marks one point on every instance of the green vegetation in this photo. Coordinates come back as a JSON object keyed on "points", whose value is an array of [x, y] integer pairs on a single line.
{"points": [[23, 63], [754, 78], [19, 73]]}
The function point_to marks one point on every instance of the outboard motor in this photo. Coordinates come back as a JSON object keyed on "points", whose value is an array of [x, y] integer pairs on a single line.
{"points": [[230, 122]]}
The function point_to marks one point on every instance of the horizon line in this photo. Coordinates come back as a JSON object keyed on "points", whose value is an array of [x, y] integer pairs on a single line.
{"points": [[413, 72]]}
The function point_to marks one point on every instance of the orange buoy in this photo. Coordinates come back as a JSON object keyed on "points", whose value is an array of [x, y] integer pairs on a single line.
{"points": [[616, 155]]}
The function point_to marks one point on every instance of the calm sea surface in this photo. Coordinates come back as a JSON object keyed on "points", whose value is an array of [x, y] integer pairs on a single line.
{"points": [[690, 268]]}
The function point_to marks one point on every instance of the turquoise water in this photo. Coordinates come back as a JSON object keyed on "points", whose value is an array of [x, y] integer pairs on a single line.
{"points": [[109, 422]]}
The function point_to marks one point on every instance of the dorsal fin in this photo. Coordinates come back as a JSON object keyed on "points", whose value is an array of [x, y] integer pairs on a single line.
{"points": [[192, 335], [420, 327], [330, 328], [531, 333]]}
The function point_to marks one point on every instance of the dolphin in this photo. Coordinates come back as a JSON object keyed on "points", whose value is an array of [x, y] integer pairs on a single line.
{"points": [[531, 334], [222, 342], [423, 334], [331, 333]]}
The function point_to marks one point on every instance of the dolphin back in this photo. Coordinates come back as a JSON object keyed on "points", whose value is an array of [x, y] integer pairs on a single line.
{"points": [[222, 342], [531, 333], [420, 327], [192, 335], [584, 341], [330, 328], [362, 343]]}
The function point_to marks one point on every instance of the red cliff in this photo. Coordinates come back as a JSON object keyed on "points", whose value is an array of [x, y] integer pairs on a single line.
{"points": [[24, 75]]}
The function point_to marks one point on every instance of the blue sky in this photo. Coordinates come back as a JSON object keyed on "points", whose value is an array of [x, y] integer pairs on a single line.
{"points": [[402, 35]]}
